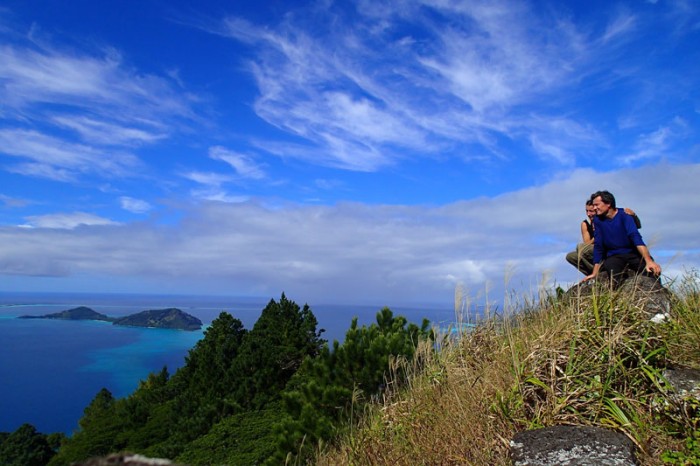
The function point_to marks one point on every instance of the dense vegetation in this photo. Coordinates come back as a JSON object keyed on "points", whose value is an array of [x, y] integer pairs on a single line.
{"points": [[27, 447], [267, 394]]}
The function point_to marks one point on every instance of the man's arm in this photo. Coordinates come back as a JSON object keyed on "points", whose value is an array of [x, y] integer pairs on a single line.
{"points": [[651, 266], [596, 269]]}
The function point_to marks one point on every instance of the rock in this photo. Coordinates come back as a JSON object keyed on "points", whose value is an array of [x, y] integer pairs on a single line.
{"points": [[572, 446], [583, 290], [126, 459], [644, 292], [647, 293], [684, 382]]}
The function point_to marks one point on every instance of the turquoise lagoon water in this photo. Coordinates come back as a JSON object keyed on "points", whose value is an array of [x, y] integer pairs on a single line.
{"points": [[50, 369]]}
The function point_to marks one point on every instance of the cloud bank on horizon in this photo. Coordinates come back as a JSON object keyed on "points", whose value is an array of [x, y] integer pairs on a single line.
{"points": [[339, 151]]}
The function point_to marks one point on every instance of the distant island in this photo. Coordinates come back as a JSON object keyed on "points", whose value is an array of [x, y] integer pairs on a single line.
{"points": [[171, 318]]}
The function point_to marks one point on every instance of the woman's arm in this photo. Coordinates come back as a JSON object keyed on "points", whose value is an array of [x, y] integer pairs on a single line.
{"points": [[584, 233]]}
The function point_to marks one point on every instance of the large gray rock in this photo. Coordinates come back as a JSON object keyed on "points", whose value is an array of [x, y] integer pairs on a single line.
{"points": [[126, 459], [644, 292], [572, 446], [684, 382], [648, 294], [584, 290]]}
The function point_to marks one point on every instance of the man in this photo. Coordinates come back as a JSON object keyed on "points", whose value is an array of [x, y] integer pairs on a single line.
{"points": [[617, 244], [582, 257]]}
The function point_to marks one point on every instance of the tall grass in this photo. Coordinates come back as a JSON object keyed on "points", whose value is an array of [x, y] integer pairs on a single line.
{"points": [[587, 360]]}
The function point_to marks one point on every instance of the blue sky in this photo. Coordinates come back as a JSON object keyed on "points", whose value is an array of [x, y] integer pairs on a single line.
{"points": [[339, 151]]}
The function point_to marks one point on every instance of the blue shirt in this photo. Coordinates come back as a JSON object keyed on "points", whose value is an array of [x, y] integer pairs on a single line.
{"points": [[618, 235]]}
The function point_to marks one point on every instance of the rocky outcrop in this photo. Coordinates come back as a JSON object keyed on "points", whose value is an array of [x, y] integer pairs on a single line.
{"points": [[684, 382], [572, 446], [126, 459], [648, 294], [641, 291], [684, 393]]}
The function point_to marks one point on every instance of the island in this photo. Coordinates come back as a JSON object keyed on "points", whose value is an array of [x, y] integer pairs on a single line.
{"points": [[77, 313], [170, 318], [161, 318]]}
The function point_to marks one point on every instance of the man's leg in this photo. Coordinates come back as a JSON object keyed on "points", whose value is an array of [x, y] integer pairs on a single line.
{"points": [[616, 267], [638, 264]]}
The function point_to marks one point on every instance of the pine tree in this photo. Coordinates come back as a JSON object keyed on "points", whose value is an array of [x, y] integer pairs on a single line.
{"points": [[324, 392], [283, 336]]}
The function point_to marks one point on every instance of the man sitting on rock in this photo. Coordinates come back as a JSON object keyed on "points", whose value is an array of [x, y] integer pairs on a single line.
{"points": [[582, 257], [617, 244]]}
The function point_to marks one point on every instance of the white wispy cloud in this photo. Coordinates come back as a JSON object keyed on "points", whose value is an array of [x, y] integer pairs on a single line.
{"points": [[101, 83], [218, 195], [622, 24], [564, 140], [137, 206], [61, 160], [244, 165], [39, 170], [365, 96], [14, 202], [657, 144], [66, 221], [107, 133], [207, 178], [212, 187], [50, 94]]}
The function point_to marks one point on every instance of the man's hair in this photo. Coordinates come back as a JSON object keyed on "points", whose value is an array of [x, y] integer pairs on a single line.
{"points": [[606, 197], [589, 202]]}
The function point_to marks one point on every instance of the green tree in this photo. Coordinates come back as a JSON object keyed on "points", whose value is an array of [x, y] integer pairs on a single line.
{"points": [[25, 447], [98, 429], [282, 337], [137, 413], [320, 398], [203, 387]]}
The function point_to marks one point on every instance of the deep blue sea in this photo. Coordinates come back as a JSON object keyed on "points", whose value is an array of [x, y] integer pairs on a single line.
{"points": [[50, 369]]}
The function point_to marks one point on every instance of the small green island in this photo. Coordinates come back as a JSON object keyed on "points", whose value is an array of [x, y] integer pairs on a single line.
{"points": [[170, 318]]}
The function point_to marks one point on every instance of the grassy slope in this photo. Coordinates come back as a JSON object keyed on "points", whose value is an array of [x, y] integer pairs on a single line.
{"points": [[595, 361]]}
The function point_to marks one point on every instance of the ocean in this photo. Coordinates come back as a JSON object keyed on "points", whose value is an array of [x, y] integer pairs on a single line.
{"points": [[50, 369]]}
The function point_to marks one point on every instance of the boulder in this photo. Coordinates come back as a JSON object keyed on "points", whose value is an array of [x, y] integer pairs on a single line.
{"points": [[583, 290], [572, 446], [684, 383], [644, 292], [126, 459], [648, 294]]}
